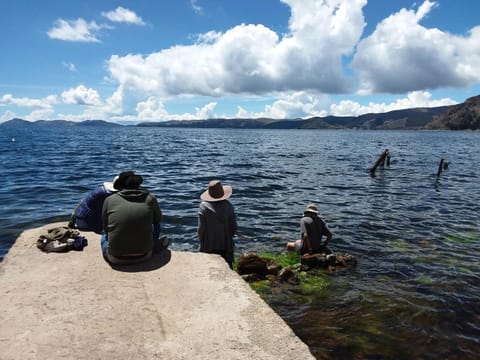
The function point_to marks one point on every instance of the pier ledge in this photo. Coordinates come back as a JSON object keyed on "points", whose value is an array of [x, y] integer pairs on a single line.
{"points": [[178, 305]]}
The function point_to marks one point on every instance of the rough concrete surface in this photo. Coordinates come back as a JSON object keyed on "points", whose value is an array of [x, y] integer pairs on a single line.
{"points": [[178, 305]]}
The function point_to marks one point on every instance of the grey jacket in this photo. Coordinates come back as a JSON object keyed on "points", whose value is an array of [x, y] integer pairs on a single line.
{"points": [[216, 226]]}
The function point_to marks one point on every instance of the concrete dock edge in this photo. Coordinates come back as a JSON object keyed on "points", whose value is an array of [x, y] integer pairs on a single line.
{"points": [[179, 305]]}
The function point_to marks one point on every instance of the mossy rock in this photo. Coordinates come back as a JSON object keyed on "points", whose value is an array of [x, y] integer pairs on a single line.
{"points": [[306, 283], [261, 286], [283, 259]]}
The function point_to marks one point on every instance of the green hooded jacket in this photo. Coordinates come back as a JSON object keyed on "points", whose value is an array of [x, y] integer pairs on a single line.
{"points": [[128, 216]]}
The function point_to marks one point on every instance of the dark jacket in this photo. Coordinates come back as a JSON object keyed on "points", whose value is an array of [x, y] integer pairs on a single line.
{"points": [[314, 227], [216, 226], [128, 216], [89, 213]]}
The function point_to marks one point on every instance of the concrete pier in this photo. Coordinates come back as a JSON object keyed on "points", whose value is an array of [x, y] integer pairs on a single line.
{"points": [[179, 305]]}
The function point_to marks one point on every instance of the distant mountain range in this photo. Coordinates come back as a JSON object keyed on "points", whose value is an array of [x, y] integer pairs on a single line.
{"points": [[455, 117], [20, 122], [400, 119]]}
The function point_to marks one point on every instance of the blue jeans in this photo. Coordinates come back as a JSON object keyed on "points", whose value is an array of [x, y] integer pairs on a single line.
{"points": [[104, 240]]}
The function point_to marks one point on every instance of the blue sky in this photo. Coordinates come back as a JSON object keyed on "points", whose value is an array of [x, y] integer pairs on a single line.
{"points": [[156, 60]]}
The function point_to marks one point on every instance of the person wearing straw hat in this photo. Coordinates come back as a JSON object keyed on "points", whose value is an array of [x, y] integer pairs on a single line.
{"points": [[87, 216], [312, 229], [217, 223]]}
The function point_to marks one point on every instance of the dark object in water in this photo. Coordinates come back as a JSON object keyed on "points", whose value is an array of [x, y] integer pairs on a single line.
{"points": [[381, 161], [328, 261], [440, 167]]}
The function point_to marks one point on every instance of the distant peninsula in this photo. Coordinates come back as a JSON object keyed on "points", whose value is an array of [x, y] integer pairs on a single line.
{"points": [[463, 116]]}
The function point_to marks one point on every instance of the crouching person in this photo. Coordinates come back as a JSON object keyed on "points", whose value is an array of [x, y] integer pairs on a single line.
{"points": [[131, 222], [312, 229]]}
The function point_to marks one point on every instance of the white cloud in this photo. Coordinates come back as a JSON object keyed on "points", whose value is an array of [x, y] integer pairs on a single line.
{"points": [[196, 8], [120, 14], [39, 114], [153, 109], [209, 37], [45, 103], [111, 109], [81, 96], [415, 99], [7, 115], [70, 66], [401, 55], [296, 69], [206, 112], [306, 105], [294, 105], [75, 30], [253, 58]]}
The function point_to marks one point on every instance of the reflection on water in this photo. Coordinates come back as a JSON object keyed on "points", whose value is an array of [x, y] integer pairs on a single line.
{"points": [[414, 293]]}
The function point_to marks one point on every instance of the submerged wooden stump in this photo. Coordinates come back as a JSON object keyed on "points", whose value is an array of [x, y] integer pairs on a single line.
{"points": [[381, 161]]}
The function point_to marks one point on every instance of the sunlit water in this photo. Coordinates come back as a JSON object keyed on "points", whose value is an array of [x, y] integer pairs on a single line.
{"points": [[415, 292]]}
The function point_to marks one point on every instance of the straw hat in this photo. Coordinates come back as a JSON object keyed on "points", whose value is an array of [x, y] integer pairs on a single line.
{"points": [[216, 191], [311, 208]]}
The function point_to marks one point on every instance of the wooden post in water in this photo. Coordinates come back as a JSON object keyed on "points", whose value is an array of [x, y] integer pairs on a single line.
{"points": [[440, 168], [380, 161]]}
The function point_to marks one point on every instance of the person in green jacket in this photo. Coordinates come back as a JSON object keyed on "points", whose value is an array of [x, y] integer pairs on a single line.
{"points": [[131, 222]]}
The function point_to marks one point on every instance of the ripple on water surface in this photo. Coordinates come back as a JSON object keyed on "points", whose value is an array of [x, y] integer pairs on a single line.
{"points": [[414, 293]]}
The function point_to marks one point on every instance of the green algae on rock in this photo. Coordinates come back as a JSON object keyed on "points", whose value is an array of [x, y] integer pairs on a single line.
{"points": [[266, 272]]}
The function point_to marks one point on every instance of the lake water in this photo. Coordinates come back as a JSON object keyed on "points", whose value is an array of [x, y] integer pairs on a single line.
{"points": [[415, 291]]}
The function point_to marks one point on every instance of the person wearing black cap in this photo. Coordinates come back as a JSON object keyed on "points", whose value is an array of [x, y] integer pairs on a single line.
{"points": [[131, 221], [217, 223]]}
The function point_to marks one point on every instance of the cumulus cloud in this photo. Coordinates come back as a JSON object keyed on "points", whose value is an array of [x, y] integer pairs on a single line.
{"points": [[153, 109], [39, 114], [415, 99], [293, 105], [307, 105], [81, 95], [75, 30], [110, 109], [252, 58], [45, 103], [120, 14], [402, 55], [296, 69]]}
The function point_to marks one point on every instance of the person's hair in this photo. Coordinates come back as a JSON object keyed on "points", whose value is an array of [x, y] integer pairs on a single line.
{"points": [[133, 182]]}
